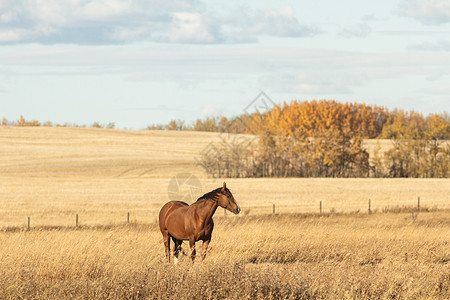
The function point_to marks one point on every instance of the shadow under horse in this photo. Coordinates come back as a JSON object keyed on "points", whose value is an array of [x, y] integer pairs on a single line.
{"points": [[182, 222]]}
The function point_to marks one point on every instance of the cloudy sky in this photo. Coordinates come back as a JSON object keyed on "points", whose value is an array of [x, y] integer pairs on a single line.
{"points": [[139, 62]]}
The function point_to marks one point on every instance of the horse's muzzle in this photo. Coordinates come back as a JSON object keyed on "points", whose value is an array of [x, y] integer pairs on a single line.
{"points": [[236, 210]]}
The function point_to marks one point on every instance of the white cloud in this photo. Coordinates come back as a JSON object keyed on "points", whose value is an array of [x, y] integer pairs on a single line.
{"points": [[441, 45], [359, 30], [322, 73], [9, 16], [12, 35], [280, 68], [123, 21], [244, 26], [123, 34], [86, 21], [191, 28], [280, 23], [430, 12], [310, 82]]}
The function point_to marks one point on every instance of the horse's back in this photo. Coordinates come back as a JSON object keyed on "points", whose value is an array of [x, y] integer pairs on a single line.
{"points": [[167, 209], [174, 204]]}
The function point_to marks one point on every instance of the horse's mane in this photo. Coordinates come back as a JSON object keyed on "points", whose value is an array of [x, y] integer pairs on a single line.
{"points": [[211, 195]]}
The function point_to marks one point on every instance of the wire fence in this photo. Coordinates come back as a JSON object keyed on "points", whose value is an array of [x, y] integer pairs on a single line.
{"points": [[79, 221]]}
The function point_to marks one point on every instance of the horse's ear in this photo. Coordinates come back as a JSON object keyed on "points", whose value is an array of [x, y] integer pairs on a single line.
{"points": [[224, 186]]}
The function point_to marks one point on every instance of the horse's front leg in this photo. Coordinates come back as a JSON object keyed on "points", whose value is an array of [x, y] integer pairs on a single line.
{"points": [[192, 245], [205, 248]]}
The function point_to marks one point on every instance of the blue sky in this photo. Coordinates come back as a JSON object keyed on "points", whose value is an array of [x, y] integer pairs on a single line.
{"points": [[136, 62]]}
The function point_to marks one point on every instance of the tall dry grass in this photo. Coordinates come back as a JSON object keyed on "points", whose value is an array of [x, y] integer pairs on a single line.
{"points": [[348, 256]]}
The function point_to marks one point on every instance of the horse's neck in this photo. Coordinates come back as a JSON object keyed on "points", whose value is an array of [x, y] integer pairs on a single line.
{"points": [[206, 210]]}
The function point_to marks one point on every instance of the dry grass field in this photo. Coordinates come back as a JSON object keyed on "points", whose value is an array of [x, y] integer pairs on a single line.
{"points": [[351, 256], [52, 174]]}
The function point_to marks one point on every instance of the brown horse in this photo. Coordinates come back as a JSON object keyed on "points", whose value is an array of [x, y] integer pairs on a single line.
{"points": [[183, 222]]}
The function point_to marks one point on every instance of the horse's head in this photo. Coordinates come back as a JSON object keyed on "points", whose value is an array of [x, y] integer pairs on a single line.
{"points": [[226, 200]]}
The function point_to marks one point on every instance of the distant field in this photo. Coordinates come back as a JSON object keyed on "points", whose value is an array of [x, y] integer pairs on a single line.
{"points": [[51, 174], [88, 152]]}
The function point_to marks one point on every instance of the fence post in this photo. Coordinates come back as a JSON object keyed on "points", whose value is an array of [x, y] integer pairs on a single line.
{"points": [[418, 203], [273, 209], [369, 208], [128, 218], [320, 207], [76, 220], [28, 227]]}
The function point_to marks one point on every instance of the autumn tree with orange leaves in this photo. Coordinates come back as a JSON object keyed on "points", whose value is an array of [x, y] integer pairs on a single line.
{"points": [[318, 139]]}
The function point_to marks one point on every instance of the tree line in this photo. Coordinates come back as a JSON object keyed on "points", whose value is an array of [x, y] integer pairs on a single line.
{"points": [[22, 122], [325, 139]]}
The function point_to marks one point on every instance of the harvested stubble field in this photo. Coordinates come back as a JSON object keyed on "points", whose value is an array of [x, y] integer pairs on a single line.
{"points": [[51, 174]]}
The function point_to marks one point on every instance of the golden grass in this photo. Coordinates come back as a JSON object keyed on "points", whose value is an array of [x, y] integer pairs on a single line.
{"points": [[51, 174], [349, 256]]}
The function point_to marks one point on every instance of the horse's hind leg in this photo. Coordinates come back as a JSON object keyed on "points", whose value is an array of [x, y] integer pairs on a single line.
{"points": [[177, 249], [167, 245], [192, 246], [205, 248]]}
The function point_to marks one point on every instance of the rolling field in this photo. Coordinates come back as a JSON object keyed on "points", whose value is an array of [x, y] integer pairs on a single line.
{"points": [[52, 174]]}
